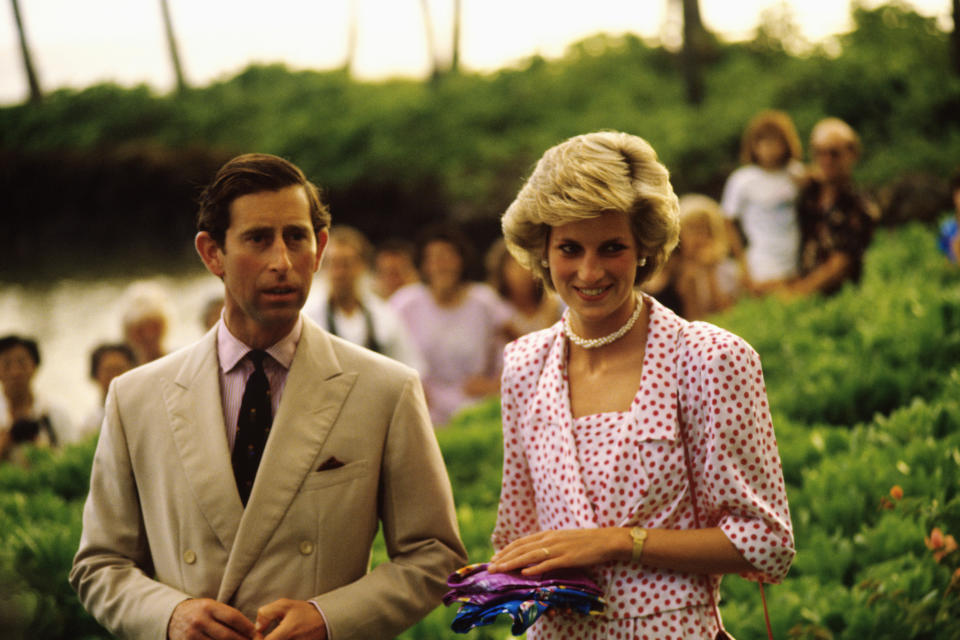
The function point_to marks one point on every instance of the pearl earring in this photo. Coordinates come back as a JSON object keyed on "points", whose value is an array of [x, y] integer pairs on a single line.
{"points": [[544, 263], [642, 262]]}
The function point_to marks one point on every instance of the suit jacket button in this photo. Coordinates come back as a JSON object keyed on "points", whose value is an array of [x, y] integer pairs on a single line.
{"points": [[189, 556], [306, 547]]}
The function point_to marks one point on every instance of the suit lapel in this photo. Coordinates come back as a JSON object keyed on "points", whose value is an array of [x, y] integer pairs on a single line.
{"points": [[315, 391], [196, 420]]}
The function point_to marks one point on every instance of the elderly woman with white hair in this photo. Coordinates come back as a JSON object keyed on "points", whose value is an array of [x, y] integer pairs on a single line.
{"points": [[637, 446], [146, 318]]}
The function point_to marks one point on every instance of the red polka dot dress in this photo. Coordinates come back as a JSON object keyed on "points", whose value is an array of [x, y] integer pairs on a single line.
{"points": [[629, 468]]}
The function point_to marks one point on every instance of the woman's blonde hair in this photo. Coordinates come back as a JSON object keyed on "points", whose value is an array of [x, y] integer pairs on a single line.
{"points": [[585, 177]]}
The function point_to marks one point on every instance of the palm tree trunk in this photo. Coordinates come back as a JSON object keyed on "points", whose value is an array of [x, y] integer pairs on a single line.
{"points": [[36, 95], [694, 39], [174, 49], [431, 43], [351, 38], [955, 38], [455, 60]]}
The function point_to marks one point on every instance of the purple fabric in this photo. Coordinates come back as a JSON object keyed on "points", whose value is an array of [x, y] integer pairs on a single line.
{"points": [[474, 579]]}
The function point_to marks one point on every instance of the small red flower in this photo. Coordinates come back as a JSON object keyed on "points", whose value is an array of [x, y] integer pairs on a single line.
{"points": [[940, 544], [896, 492], [949, 546], [935, 540]]}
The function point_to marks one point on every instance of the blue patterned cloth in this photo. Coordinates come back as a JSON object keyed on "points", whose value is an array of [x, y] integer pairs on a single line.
{"points": [[483, 596], [948, 231]]}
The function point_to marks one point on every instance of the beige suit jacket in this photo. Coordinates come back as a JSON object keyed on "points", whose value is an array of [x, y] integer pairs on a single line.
{"points": [[164, 522]]}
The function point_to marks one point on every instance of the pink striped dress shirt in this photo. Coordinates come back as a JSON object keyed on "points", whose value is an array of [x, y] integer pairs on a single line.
{"points": [[235, 369]]}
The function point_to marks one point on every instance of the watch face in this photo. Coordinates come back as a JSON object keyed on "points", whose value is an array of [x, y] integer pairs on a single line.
{"points": [[639, 535]]}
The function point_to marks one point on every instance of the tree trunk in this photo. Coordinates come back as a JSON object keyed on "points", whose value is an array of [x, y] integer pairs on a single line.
{"points": [[955, 38], [691, 57], [351, 38], [36, 95], [455, 60], [430, 42], [174, 49]]}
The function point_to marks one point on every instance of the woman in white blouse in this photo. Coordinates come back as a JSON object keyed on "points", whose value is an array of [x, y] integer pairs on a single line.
{"points": [[637, 446]]}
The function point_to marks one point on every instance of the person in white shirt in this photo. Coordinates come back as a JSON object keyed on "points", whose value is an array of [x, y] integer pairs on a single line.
{"points": [[761, 196]]}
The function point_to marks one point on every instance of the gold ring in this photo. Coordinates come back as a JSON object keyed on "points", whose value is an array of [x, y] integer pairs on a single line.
{"points": [[546, 552]]}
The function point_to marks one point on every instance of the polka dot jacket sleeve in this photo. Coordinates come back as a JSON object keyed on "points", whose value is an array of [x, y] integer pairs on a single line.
{"points": [[732, 448], [516, 514]]}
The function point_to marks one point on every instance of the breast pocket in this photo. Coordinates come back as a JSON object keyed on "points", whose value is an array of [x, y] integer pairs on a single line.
{"points": [[332, 477]]}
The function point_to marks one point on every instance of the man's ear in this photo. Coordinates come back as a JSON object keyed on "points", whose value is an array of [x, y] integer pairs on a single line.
{"points": [[210, 252], [322, 238]]}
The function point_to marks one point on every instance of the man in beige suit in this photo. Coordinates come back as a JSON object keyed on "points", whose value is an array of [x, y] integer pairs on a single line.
{"points": [[175, 545]]}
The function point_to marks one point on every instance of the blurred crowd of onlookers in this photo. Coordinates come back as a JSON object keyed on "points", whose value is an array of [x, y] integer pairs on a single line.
{"points": [[780, 228]]}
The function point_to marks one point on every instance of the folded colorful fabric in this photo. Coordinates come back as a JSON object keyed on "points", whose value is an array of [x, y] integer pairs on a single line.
{"points": [[484, 596]]}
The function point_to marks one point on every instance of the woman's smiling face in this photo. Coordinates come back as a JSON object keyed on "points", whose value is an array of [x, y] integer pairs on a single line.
{"points": [[593, 264]]}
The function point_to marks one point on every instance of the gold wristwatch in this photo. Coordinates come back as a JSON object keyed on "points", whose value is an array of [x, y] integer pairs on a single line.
{"points": [[639, 536]]}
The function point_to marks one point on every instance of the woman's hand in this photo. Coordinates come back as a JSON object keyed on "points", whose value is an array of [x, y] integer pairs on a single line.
{"points": [[568, 548]]}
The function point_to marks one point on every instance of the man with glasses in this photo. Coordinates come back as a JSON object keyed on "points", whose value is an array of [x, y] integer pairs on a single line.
{"points": [[836, 221]]}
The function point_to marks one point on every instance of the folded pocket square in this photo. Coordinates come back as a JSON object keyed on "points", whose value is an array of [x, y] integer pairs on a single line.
{"points": [[330, 463]]}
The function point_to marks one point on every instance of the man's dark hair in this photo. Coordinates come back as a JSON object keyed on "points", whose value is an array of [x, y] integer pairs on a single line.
{"points": [[106, 348], [11, 341], [253, 173]]}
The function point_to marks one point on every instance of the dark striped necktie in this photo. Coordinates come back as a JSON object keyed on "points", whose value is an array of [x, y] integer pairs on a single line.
{"points": [[253, 426]]}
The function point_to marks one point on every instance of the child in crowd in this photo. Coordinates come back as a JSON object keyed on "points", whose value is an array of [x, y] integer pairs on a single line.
{"points": [[706, 278], [761, 196], [949, 240], [700, 278]]}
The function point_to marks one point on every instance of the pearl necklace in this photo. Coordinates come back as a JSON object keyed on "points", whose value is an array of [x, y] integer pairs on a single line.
{"points": [[593, 343]]}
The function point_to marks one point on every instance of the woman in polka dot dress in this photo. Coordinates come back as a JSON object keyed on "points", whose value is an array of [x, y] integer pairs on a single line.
{"points": [[609, 415]]}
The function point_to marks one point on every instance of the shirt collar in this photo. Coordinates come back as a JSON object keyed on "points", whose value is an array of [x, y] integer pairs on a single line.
{"points": [[231, 349]]}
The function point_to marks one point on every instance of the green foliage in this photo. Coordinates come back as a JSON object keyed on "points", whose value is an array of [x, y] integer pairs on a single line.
{"points": [[843, 359], [472, 137], [40, 523]]}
